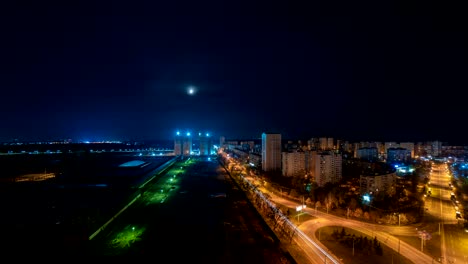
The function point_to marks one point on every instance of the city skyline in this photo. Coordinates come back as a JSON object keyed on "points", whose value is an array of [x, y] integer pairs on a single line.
{"points": [[119, 71], [213, 137]]}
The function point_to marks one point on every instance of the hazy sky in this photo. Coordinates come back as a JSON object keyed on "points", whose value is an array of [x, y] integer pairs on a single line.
{"points": [[387, 71]]}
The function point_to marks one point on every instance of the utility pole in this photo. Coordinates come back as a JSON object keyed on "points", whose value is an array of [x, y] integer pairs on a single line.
{"points": [[422, 243]]}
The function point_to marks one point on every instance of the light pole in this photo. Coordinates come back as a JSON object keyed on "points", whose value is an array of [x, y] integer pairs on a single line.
{"points": [[299, 210], [422, 245]]}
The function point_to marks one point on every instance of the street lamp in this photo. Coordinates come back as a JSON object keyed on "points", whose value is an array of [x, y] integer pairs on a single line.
{"points": [[424, 235], [299, 209]]}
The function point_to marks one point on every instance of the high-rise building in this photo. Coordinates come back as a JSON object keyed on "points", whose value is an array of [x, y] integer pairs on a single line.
{"points": [[294, 163], [178, 144], [271, 152], [398, 155], [221, 141], [409, 146], [327, 167], [205, 144], [183, 144]]}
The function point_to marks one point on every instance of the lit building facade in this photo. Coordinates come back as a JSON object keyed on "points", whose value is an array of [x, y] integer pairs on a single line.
{"points": [[327, 167], [293, 163], [183, 144], [398, 155], [205, 144], [377, 182], [271, 152], [367, 153]]}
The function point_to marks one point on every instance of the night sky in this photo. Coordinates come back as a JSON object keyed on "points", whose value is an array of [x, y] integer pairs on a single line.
{"points": [[120, 70]]}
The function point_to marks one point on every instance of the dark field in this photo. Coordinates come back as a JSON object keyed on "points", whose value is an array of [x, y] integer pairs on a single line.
{"points": [[45, 216]]}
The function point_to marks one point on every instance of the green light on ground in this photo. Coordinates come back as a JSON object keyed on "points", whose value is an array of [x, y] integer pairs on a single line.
{"points": [[127, 237]]}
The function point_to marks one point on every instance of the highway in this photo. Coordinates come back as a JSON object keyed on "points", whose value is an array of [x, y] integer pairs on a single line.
{"points": [[388, 234], [439, 218], [440, 206]]}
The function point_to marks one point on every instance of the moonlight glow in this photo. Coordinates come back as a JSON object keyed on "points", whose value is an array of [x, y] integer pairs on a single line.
{"points": [[191, 90]]}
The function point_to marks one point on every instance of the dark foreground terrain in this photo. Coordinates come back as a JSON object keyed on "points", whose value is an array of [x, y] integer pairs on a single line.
{"points": [[204, 219]]}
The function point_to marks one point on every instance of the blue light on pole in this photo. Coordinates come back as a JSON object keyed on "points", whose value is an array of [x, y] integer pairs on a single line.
{"points": [[366, 198]]}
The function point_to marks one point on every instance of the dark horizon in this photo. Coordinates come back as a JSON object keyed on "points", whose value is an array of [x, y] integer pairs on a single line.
{"points": [[169, 141]]}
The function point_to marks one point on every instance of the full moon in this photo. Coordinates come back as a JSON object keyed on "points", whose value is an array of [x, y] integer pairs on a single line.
{"points": [[191, 90]]}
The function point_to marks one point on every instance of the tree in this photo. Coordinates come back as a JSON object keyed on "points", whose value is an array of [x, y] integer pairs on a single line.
{"points": [[340, 199], [318, 204], [378, 249], [353, 204], [357, 212], [330, 201], [366, 215], [343, 232]]}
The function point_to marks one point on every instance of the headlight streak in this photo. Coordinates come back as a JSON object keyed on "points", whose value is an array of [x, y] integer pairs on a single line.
{"points": [[312, 245]]}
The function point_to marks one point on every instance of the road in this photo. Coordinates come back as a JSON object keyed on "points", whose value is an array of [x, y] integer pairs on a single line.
{"points": [[440, 209], [440, 206], [439, 220], [386, 234]]}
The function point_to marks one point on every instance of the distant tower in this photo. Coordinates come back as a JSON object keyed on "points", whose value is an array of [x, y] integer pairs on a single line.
{"points": [[221, 141], [187, 144], [271, 152], [178, 144], [205, 144], [183, 144]]}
